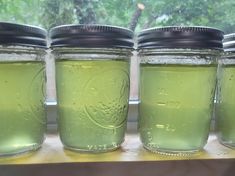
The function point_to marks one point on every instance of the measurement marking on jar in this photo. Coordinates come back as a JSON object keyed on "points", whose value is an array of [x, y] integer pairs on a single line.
{"points": [[160, 126], [161, 103]]}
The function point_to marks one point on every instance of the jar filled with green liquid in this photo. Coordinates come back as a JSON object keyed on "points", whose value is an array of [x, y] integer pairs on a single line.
{"points": [[92, 81], [22, 88], [178, 68], [225, 109]]}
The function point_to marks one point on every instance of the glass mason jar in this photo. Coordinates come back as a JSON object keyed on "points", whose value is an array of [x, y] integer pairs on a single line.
{"points": [[22, 88], [177, 83], [225, 109], [92, 81]]}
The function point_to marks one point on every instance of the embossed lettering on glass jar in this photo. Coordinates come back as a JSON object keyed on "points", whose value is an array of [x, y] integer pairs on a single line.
{"points": [[177, 82], [22, 88], [225, 109], [92, 80]]}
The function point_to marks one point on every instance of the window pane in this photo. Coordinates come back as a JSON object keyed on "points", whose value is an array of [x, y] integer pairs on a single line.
{"points": [[133, 14]]}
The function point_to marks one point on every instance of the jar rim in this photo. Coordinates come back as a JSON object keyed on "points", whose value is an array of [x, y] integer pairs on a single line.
{"points": [[23, 35], [91, 36], [194, 37]]}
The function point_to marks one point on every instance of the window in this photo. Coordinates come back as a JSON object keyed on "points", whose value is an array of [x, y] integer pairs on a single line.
{"points": [[133, 14]]}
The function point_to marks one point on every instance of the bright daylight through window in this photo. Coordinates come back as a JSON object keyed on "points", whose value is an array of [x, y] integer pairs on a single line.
{"points": [[133, 14]]}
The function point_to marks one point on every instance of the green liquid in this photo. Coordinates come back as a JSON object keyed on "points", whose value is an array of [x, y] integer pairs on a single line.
{"points": [[93, 103], [176, 106], [22, 111], [225, 109]]}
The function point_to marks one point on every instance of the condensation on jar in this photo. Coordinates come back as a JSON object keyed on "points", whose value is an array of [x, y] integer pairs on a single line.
{"points": [[92, 81], [225, 104], [178, 68], [22, 90]]}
